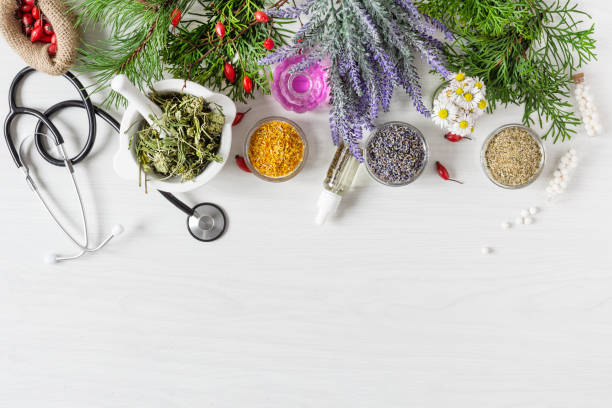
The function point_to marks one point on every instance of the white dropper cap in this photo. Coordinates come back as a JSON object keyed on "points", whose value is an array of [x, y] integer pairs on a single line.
{"points": [[327, 205]]}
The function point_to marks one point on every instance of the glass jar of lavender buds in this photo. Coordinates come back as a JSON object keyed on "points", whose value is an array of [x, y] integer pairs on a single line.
{"points": [[396, 154]]}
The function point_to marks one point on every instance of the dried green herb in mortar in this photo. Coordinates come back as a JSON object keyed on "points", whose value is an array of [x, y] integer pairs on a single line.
{"points": [[193, 135]]}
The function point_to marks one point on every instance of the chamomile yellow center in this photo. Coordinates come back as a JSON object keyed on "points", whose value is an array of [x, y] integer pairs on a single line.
{"points": [[459, 91], [468, 97], [482, 104], [460, 76], [478, 85], [443, 114], [449, 92], [463, 124]]}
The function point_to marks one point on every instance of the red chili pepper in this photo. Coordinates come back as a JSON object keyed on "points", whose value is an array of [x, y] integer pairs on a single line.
{"points": [[247, 84], [29, 2], [444, 173], [35, 12], [242, 164], [53, 38], [230, 72], [239, 117], [26, 8], [261, 17], [220, 29], [176, 17], [453, 137], [52, 49]]}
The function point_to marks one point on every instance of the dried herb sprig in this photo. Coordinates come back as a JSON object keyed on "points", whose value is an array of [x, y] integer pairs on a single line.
{"points": [[193, 135]]}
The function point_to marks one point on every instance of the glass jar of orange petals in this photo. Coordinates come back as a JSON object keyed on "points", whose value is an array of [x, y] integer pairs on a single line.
{"points": [[276, 149]]}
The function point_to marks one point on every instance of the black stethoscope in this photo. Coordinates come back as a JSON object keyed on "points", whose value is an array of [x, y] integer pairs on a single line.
{"points": [[207, 222]]}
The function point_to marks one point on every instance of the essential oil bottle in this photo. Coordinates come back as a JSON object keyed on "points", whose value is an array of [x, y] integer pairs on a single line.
{"points": [[339, 179]]}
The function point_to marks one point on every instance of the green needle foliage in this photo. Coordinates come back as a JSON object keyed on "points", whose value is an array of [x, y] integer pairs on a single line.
{"points": [[138, 30], [197, 53], [525, 50]]}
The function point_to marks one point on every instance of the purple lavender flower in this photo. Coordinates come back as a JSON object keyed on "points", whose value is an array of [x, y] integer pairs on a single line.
{"points": [[372, 47]]}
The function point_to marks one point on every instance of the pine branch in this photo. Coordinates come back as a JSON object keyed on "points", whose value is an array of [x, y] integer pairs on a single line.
{"points": [[525, 50], [139, 30]]}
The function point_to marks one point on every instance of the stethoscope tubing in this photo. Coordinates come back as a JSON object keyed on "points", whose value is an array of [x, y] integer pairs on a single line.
{"points": [[45, 121]]}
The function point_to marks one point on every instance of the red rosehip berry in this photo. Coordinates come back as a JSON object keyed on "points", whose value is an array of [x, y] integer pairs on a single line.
{"points": [[230, 72], [261, 17], [37, 34], [247, 84], [176, 17], [220, 29], [269, 44]]}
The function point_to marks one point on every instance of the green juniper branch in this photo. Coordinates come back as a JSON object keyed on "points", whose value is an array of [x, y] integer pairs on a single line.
{"points": [[525, 50]]}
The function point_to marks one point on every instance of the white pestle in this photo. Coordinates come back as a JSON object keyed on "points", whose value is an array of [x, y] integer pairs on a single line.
{"points": [[146, 107]]}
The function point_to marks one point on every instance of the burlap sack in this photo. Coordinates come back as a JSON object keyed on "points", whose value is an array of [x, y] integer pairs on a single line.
{"points": [[35, 54]]}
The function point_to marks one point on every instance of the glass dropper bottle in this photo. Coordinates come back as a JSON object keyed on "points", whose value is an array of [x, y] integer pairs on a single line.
{"points": [[339, 179]]}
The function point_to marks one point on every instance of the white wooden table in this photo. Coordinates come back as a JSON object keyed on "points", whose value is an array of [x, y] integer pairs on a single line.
{"points": [[389, 305]]}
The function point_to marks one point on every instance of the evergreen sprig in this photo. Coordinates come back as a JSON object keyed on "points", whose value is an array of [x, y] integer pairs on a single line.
{"points": [[198, 54], [138, 30], [526, 51], [372, 46]]}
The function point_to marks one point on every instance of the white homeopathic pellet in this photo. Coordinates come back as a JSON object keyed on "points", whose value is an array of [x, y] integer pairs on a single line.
{"points": [[506, 225], [562, 175], [486, 250], [528, 220], [534, 210], [586, 107]]}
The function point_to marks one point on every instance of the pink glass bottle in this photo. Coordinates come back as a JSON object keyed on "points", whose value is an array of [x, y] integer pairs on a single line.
{"points": [[300, 91]]}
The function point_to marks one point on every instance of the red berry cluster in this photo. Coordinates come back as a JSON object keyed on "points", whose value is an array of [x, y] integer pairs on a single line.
{"points": [[35, 25], [228, 69]]}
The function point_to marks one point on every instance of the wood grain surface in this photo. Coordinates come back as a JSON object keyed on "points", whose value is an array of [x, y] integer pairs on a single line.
{"points": [[390, 305]]}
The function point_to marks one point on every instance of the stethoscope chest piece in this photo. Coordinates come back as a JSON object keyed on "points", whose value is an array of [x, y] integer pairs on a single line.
{"points": [[207, 223]]}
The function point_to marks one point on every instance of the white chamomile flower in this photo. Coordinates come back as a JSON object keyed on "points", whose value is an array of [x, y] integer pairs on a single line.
{"points": [[458, 80], [469, 83], [459, 77], [444, 113], [447, 92], [464, 124], [468, 100], [480, 85], [481, 105]]}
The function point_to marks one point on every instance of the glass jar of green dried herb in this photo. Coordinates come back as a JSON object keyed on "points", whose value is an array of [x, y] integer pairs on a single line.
{"points": [[513, 156]]}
